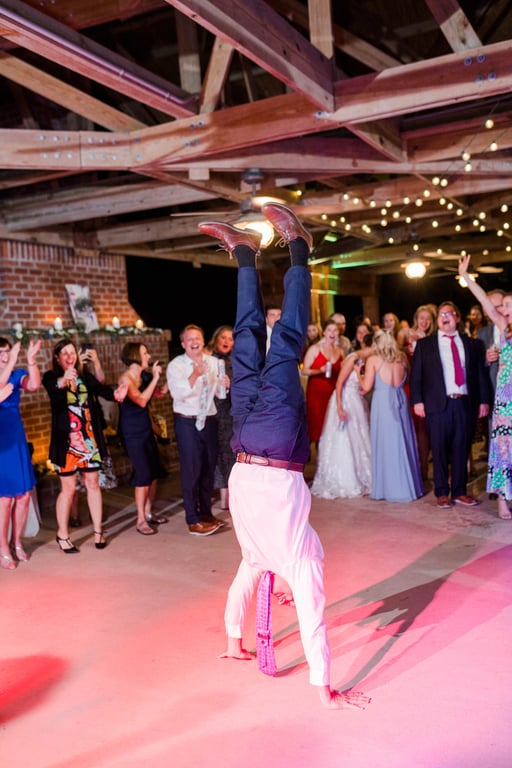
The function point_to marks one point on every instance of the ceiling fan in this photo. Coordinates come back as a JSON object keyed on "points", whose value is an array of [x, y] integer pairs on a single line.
{"points": [[249, 214]]}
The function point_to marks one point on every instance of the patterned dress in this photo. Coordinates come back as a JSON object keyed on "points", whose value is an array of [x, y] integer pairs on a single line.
{"points": [[499, 478]]}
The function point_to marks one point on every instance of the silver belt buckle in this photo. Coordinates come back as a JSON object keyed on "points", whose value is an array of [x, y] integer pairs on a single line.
{"points": [[259, 460]]}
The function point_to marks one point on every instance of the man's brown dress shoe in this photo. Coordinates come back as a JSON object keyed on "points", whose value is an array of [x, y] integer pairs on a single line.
{"points": [[286, 223], [230, 236], [203, 529], [467, 501]]}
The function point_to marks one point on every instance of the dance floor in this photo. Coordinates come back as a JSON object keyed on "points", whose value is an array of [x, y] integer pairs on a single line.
{"points": [[109, 658]]}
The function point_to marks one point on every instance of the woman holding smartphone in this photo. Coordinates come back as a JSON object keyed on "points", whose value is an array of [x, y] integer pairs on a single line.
{"points": [[77, 443]]}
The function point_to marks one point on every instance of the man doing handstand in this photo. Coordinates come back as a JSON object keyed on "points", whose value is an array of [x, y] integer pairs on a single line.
{"points": [[269, 499]]}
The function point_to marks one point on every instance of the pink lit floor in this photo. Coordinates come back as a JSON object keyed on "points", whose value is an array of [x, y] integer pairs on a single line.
{"points": [[109, 658]]}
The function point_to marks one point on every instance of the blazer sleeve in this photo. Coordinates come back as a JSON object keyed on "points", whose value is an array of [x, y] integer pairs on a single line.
{"points": [[416, 374], [482, 373]]}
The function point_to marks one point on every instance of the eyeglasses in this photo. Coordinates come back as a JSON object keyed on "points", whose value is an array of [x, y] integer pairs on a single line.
{"points": [[446, 314]]}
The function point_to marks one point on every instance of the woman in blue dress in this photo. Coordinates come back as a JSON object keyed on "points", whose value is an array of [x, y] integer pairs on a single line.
{"points": [[396, 474], [16, 472], [499, 474]]}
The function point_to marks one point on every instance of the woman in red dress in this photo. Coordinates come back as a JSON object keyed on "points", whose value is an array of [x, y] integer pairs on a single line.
{"points": [[322, 363]]}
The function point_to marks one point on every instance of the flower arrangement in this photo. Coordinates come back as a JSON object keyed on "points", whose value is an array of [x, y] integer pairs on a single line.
{"points": [[19, 333]]}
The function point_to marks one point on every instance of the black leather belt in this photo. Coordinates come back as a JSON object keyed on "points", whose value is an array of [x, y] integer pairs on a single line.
{"points": [[456, 397], [264, 461]]}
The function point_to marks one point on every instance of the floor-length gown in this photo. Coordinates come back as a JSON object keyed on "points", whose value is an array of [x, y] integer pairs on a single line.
{"points": [[396, 474], [319, 390], [344, 456], [499, 478]]}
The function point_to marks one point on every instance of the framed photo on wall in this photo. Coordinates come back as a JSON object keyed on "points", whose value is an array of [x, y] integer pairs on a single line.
{"points": [[81, 306]]}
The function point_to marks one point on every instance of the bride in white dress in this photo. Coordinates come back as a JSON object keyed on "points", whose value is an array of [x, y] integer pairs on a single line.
{"points": [[344, 456]]}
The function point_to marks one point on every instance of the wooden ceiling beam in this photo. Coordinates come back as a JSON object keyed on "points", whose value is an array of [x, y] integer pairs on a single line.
{"points": [[189, 62], [320, 27], [263, 36], [90, 13], [67, 96], [345, 41], [443, 81], [216, 75], [95, 202], [29, 28], [454, 24], [365, 98]]}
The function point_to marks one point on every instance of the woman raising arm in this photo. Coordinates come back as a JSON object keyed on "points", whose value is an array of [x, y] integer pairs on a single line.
{"points": [[499, 476]]}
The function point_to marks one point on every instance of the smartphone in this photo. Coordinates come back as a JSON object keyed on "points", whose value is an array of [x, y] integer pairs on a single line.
{"points": [[84, 348]]}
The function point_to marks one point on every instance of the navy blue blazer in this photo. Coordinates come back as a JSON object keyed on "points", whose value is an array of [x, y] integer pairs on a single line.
{"points": [[426, 379], [486, 335]]}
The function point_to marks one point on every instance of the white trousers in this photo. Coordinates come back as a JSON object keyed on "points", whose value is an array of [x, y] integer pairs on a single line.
{"points": [[270, 510]]}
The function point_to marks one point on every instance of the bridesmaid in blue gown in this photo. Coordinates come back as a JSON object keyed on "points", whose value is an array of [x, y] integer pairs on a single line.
{"points": [[396, 474], [16, 473]]}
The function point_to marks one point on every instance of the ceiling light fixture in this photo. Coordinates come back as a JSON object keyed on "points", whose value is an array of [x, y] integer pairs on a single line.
{"points": [[257, 222], [251, 217], [415, 268]]}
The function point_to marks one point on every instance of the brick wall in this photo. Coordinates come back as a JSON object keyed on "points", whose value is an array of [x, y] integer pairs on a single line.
{"points": [[32, 292], [33, 279]]}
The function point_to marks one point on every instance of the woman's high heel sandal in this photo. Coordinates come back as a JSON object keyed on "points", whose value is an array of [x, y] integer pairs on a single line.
{"points": [[100, 544], [70, 550], [21, 554], [7, 562]]}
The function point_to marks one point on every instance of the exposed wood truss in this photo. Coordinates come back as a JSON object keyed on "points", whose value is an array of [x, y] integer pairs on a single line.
{"points": [[139, 115]]}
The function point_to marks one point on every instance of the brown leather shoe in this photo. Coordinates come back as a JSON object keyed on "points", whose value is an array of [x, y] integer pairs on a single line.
{"points": [[467, 501], [230, 236], [444, 502], [286, 222], [203, 529], [215, 520]]}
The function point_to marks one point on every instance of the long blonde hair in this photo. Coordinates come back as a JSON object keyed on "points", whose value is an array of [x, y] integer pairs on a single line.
{"points": [[386, 347]]}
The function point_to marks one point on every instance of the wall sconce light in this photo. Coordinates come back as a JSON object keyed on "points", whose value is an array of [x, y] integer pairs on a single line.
{"points": [[115, 323], [415, 269], [57, 324]]}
